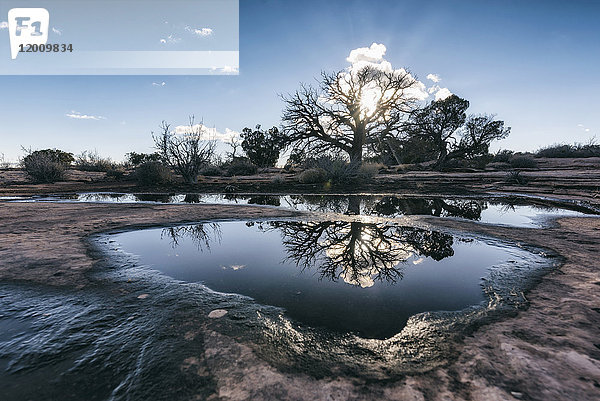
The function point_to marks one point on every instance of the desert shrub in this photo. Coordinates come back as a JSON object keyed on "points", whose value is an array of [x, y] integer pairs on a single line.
{"points": [[92, 161], [241, 166], [503, 156], [48, 165], [115, 173], [135, 159], [368, 171], [211, 171], [515, 177], [523, 161], [278, 180], [43, 168], [337, 169], [153, 173], [591, 149], [313, 176]]}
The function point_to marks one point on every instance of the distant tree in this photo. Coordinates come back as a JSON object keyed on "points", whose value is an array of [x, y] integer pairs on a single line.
{"points": [[135, 159], [438, 123], [262, 147], [350, 112], [444, 124], [186, 150], [477, 134]]}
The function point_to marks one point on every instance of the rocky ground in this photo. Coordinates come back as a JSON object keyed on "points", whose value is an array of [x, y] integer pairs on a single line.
{"points": [[551, 351]]}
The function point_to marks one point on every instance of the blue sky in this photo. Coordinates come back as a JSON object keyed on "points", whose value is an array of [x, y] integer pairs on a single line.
{"points": [[533, 63]]}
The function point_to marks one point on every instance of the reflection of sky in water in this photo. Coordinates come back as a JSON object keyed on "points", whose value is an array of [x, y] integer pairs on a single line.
{"points": [[256, 261], [494, 211]]}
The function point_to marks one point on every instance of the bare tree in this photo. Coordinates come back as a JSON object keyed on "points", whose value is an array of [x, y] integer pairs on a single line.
{"points": [[350, 111], [186, 151], [359, 253]]}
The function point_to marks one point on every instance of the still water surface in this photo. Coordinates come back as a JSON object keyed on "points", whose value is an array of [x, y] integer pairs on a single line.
{"points": [[519, 212], [357, 277]]}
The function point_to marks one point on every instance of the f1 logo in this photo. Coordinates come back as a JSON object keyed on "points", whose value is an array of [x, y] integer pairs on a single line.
{"points": [[27, 26]]}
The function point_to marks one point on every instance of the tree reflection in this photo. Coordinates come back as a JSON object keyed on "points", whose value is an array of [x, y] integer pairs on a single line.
{"points": [[359, 253], [201, 235], [466, 208]]}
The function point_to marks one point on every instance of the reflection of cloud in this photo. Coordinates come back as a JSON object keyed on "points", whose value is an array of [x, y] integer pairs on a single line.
{"points": [[203, 32], [171, 39], [3, 24], [434, 77], [233, 267], [57, 31], [78, 116]]}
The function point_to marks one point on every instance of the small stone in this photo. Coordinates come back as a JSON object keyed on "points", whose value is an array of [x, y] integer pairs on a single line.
{"points": [[516, 394], [143, 296], [217, 313]]}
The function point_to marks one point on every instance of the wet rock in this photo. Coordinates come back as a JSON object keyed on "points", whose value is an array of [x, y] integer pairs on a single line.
{"points": [[217, 313]]}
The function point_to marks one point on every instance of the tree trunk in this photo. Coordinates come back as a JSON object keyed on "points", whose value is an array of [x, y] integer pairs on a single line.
{"points": [[442, 156], [356, 153]]}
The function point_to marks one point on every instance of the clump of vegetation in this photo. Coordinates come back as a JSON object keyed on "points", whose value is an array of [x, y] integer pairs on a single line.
{"points": [[153, 173], [92, 161], [503, 156], [48, 165], [278, 180], [211, 171], [135, 159], [368, 171], [523, 161], [577, 150], [116, 173], [515, 177], [313, 176], [240, 166], [262, 147]]}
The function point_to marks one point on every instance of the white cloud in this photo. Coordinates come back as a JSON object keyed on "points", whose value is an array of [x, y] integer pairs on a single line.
{"points": [[434, 77], [442, 94], [373, 57], [78, 116], [202, 32], [160, 84], [3, 24], [208, 133], [57, 31], [171, 39]]}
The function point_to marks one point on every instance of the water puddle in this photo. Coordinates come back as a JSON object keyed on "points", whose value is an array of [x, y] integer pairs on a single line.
{"points": [[510, 211], [347, 276]]}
